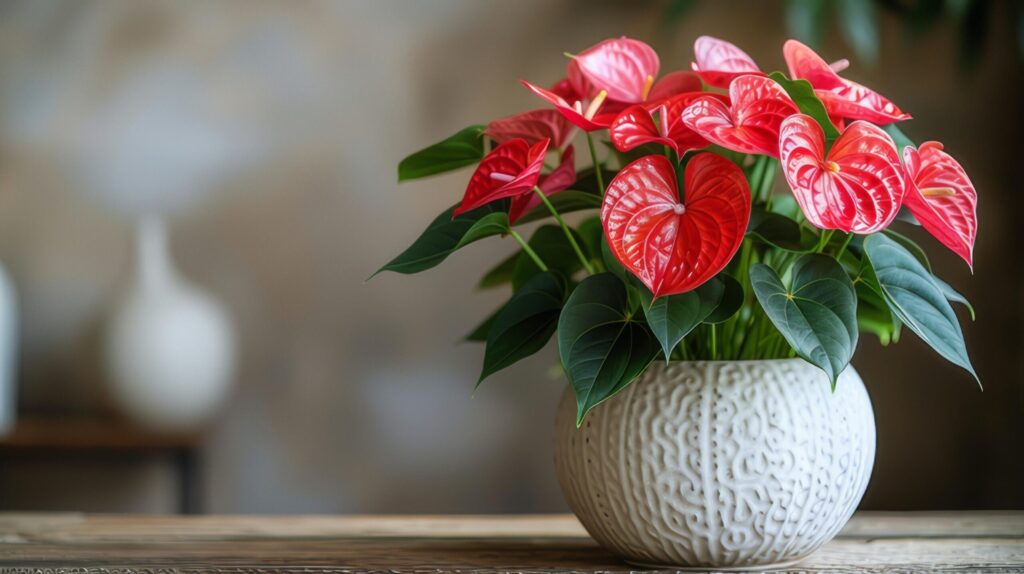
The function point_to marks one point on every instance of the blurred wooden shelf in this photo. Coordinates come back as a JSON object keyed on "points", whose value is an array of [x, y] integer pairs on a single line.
{"points": [[36, 432]]}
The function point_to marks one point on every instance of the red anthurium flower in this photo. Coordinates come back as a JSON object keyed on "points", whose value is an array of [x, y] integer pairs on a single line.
{"points": [[586, 113], [717, 62], [511, 169], [942, 197], [857, 187], [560, 179], [533, 126], [638, 126], [622, 67], [751, 123], [842, 98], [674, 246]]}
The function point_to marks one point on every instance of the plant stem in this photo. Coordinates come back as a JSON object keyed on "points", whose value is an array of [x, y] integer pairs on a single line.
{"points": [[842, 248], [529, 250], [565, 229], [597, 165], [714, 341], [826, 235]]}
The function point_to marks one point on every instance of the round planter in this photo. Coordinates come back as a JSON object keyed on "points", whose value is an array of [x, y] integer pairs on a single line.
{"points": [[723, 464]]}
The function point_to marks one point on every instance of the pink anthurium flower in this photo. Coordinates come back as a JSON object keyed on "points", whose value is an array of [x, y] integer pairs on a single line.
{"points": [[659, 124], [843, 98], [560, 179], [942, 197], [533, 126], [750, 124], [717, 62], [857, 187], [622, 67], [674, 246], [586, 113], [511, 169]]}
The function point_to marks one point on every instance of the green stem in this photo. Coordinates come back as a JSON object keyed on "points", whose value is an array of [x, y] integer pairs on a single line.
{"points": [[529, 250], [842, 248], [597, 165], [826, 236], [565, 229], [714, 342]]}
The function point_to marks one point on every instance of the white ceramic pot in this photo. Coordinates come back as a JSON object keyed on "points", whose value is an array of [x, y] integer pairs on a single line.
{"points": [[725, 464]]}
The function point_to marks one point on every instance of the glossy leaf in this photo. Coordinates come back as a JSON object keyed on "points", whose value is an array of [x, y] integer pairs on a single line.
{"points": [[732, 299], [857, 187], [533, 126], [603, 349], [717, 62], [804, 97], [916, 299], [954, 296], [750, 124], [670, 245], [817, 313], [673, 317], [623, 67], [525, 324], [465, 147], [780, 231], [911, 246], [942, 198], [446, 235], [511, 169]]}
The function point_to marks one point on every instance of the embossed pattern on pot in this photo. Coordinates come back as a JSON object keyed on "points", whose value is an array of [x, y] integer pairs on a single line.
{"points": [[725, 464]]}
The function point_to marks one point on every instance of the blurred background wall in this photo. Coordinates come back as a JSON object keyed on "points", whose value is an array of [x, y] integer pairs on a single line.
{"points": [[269, 132]]}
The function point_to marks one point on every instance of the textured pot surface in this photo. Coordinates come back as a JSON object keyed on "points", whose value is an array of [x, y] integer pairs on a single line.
{"points": [[740, 464]]}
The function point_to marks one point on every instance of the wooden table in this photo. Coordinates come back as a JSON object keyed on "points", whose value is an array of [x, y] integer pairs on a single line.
{"points": [[50, 543]]}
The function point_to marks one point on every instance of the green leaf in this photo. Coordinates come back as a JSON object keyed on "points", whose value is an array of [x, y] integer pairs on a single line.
{"points": [[732, 299], [803, 94], [550, 244], [445, 235], [591, 231], [817, 313], [916, 299], [858, 21], [479, 334], [501, 273], [672, 317], [898, 137], [603, 349], [780, 231], [954, 296], [525, 324], [910, 245], [873, 314], [565, 202], [464, 148]]}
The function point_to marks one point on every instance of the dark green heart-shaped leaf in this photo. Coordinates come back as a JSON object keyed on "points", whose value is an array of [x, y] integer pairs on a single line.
{"points": [[911, 246], [916, 299], [445, 236], [603, 349], [780, 231], [803, 95], [525, 324], [565, 202], [732, 299], [551, 245], [672, 317], [464, 148], [817, 313]]}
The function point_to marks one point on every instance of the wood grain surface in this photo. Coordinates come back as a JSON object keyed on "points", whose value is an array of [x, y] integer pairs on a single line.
{"points": [[76, 543]]}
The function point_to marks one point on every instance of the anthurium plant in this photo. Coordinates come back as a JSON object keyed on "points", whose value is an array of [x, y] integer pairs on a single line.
{"points": [[683, 248]]}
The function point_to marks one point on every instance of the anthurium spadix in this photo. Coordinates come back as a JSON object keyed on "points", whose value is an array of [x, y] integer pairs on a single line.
{"points": [[856, 187], [843, 98], [942, 197], [673, 245], [511, 169], [717, 62], [750, 122]]}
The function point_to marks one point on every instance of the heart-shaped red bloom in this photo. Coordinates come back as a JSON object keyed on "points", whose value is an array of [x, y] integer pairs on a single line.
{"points": [[638, 126], [717, 62], [532, 126], [942, 197], [857, 187], [843, 99], [511, 169], [623, 67], [751, 123], [560, 179], [674, 246]]}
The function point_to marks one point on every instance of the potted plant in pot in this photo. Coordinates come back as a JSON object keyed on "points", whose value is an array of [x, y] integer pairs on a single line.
{"points": [[705, 321]]}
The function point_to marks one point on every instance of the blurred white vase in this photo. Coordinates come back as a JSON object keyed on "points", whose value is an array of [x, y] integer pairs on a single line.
{"points": [[8, 352], [170, 347]]}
